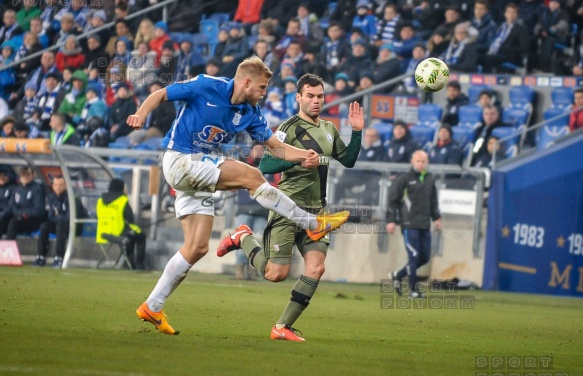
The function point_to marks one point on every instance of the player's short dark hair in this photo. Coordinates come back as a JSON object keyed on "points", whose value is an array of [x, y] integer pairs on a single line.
{"points": [[455, 84], [310, 80]]}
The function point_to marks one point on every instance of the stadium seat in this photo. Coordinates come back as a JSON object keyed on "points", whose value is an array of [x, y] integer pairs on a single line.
{"points": [[509, 144], [385, 131], [562, 97], [200, 43], [463, 135], [429, 114], [556, 117], [423, 135], [515, 117], [210, 28], [221, 18], [154, 143], [522, 97], [124, 140], [547, 135], [470, 116], [474, 92]]}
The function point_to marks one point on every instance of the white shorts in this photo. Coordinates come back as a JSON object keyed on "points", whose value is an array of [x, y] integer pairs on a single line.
{"points": [[194, 177]]}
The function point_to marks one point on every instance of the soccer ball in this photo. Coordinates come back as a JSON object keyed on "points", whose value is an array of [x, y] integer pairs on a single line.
{"points": [[431, 74]]}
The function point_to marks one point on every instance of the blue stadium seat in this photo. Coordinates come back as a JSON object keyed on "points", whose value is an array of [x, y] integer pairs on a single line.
{"points": [[124, 140], [429, 114], [556, 117], [470, 116], [562, 97], [153, 143], [423, 135], [515, 117], [385, 131], [474, 92], [547, 135], [463, 135], [522, 97], [221, 18], [210, 28], [510, 144]]}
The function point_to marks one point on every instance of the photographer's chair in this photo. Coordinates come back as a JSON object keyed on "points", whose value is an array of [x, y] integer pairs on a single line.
{"points": [[112, 247]]}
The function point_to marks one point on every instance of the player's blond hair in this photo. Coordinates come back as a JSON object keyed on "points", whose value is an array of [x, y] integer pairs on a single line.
{"points": [[253, 66]]}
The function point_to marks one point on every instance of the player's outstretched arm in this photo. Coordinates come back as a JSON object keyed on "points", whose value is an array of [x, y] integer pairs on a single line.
{"points": [[307, 158], [138, 119]]}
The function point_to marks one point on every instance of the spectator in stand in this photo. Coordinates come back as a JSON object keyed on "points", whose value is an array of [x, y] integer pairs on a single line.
{"points": [[372, 149], [236, 49], [293, 32], [426, 17], [419, 53], [98, 134], [365, 81], [402, 146], [576, 117], [66, 29], [145, 33], [122, 29], [98, 20], [7, 76], [27, 204], [26, 13], [407, 41], [446, 150], [67, 79], [309, 26], [492, 148], [11, 27], [344, 13], [74, 101], [386, 31], [158, 122], [223, 37], [115, 76], [295, 54], [484, 26], [23, 130], [142, 69], [36, 27], [30, 46], [94, 107], [510, 44], [290, 91], [4, 110], [7, 128], [263, 51], [312, 63], [286, 69], [455, 99], [48, 15], [123, 107], [70, 55], [26, 108], [452, 18], [364, 20], [387, 66], [461, 55], [121, 12], [166, 73], [341, 90], [57, 223], [279, 12], [96, 57], [336, 48], [437, 43], [266, 32], [530, 11], [552, 28], [491, 116], [7, 187], [50, 101], [79, 12], [274, 108], [357, 62], [248, 14], [62, 133], [37, 76], [188, 58], [212, 67]]}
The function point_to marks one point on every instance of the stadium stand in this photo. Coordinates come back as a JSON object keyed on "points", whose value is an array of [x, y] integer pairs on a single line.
{"points": [[470, 116], [562, 97]]}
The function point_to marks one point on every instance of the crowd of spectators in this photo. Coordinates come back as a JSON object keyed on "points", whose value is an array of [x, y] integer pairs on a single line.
{"points": [[93, 83]]}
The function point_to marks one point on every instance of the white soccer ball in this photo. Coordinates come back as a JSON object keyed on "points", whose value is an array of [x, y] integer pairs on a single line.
{"points": [[431, 74]]}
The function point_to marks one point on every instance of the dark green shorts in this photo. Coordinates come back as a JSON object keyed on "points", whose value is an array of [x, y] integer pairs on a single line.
{"points": [[281, 235]]}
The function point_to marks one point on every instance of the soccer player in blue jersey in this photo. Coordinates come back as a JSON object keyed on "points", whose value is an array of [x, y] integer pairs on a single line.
{"points": [[214, 110]]}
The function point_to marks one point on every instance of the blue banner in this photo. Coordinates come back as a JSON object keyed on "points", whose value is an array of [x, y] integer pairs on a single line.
{"points": [[534, 240]]}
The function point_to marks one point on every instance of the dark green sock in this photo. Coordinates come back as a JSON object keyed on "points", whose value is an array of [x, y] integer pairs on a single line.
{"points": [[302, 292], [255, 253]]}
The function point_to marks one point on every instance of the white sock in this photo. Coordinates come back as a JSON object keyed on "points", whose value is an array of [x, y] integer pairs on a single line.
{"points": [[272, 198], [174, 272]]}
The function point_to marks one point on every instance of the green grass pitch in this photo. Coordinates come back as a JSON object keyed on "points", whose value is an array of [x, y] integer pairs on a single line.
{"points": [[82, 322]]}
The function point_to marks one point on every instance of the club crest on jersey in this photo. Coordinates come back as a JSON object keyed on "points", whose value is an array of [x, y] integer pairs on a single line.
{"points": [[236, 119], [211, 134], [329, 137]]}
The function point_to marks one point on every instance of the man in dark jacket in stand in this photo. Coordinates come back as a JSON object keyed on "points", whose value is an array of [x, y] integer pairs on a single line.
{"points": [[402, 145], [27, 204], [7, 186], [413, 204], [57, 223]]}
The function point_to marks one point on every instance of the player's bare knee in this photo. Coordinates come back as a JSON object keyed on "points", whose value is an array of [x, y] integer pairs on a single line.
{"points": [[275, 275], [315, 272]]}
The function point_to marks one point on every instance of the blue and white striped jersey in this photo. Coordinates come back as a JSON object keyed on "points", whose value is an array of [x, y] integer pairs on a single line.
{"points": [[207, 117]]}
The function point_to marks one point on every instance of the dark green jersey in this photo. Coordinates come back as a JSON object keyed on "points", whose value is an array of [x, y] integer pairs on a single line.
{"points": [[307, 186]]}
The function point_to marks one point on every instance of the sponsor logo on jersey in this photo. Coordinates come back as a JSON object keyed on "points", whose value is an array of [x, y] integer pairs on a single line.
{"points": [[212, 135], [329, 137]]}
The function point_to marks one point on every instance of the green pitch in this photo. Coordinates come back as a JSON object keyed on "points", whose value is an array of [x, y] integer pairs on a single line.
{"points": [[82, 322]]}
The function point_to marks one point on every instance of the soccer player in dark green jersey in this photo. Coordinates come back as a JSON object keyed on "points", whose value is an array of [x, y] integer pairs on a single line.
{"points": [[307, 188]]}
